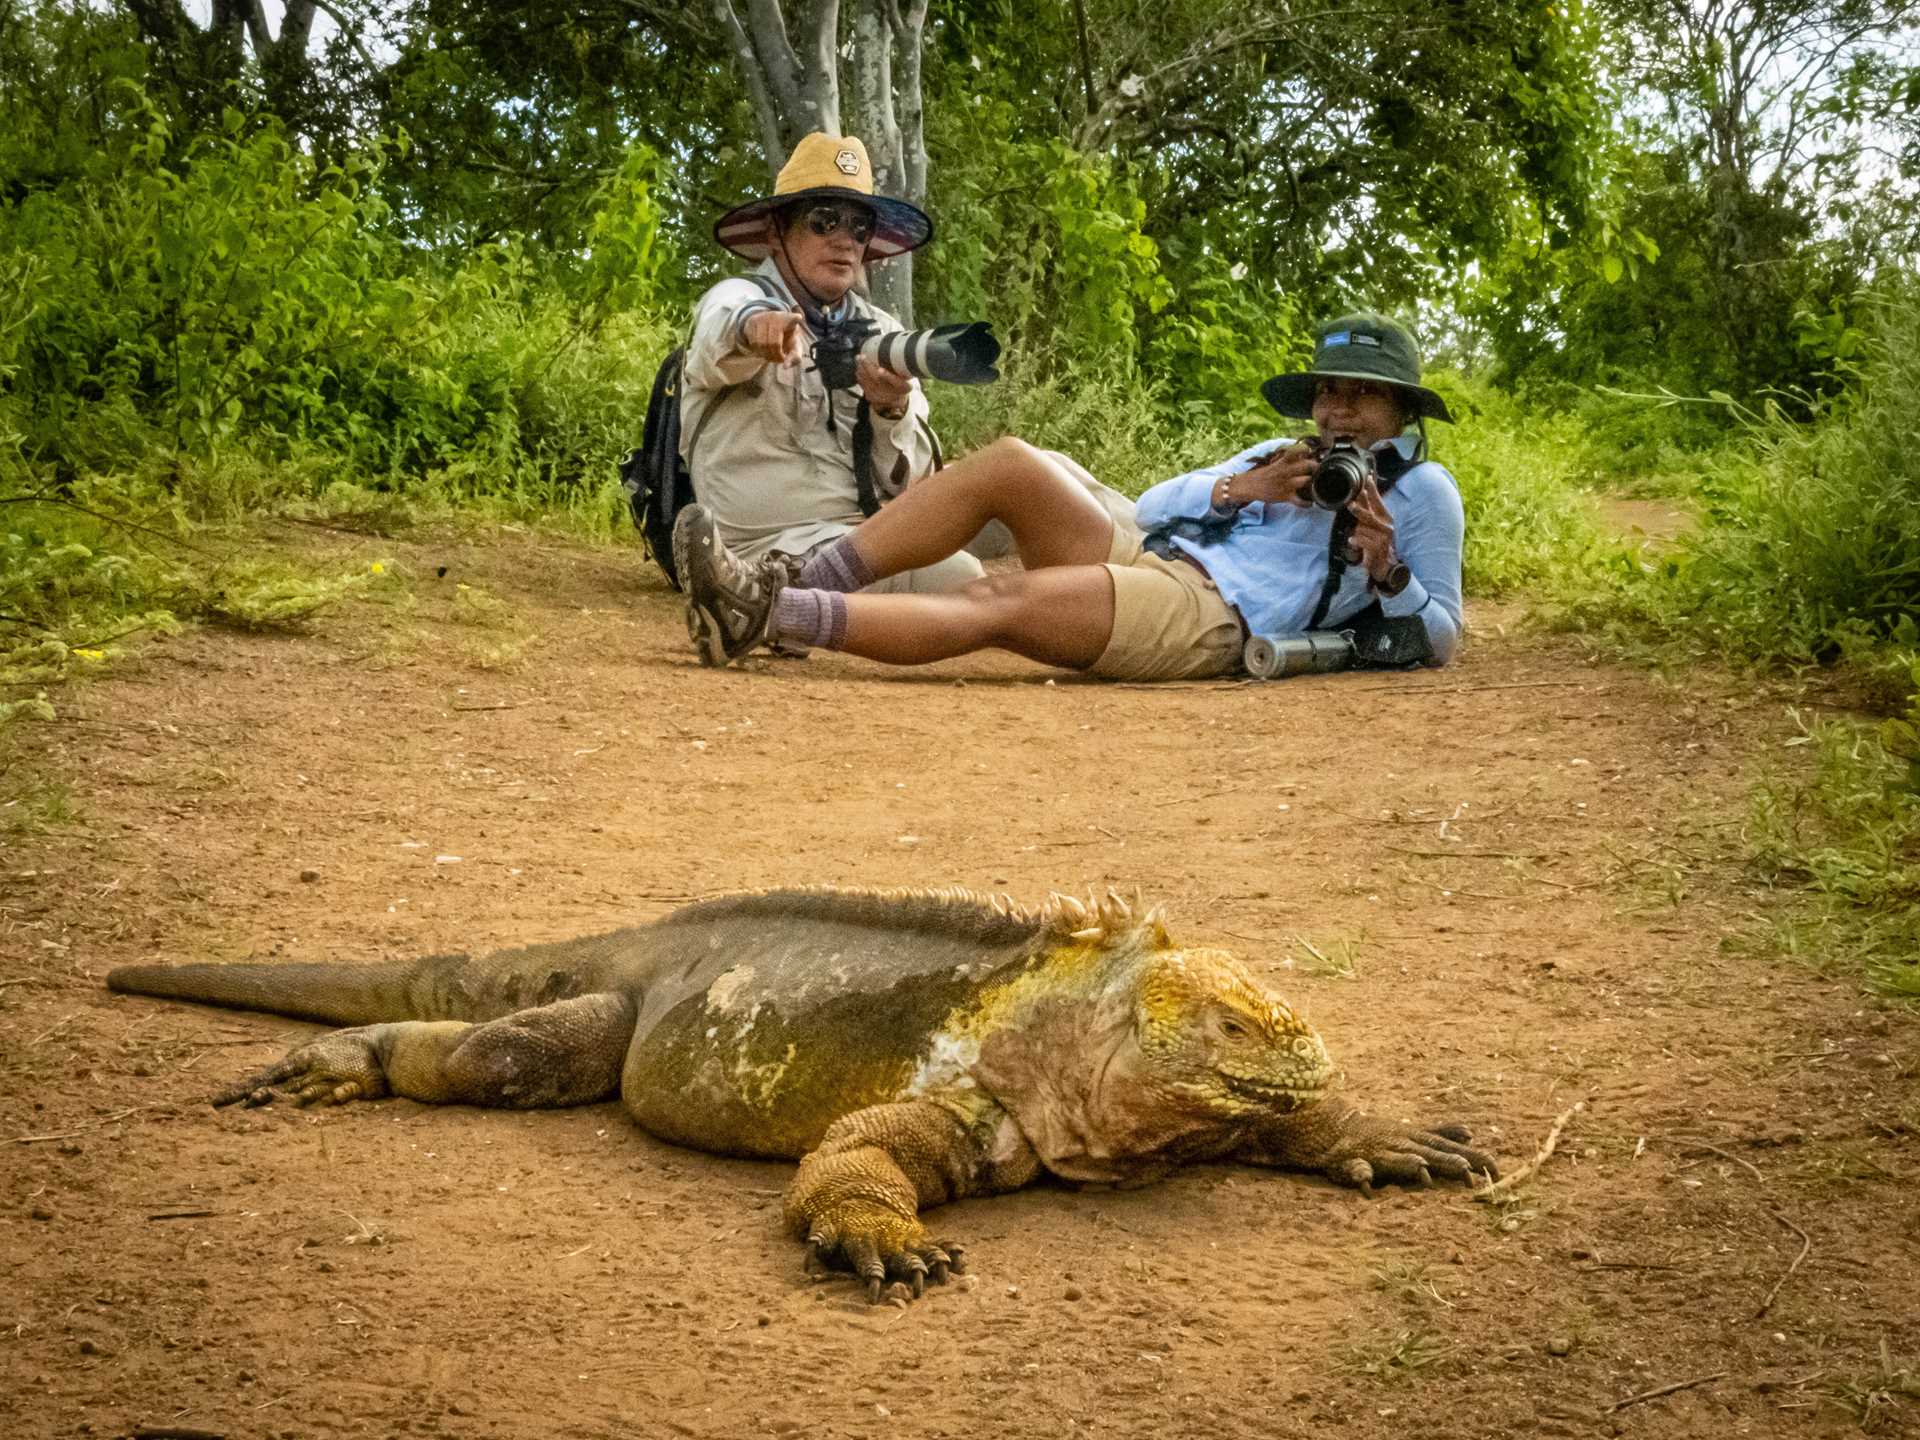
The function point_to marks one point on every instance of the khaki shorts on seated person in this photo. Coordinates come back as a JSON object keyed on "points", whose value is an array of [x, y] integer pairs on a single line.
{"points": [[1169, 622]]}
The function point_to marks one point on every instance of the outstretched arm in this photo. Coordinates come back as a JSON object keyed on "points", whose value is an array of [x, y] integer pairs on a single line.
{"points": [[857, 1198], [1345, 1144], [569, 1053]]}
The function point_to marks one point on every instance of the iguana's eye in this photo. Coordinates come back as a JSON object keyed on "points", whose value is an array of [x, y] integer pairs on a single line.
{"points": [[1233, 1028]]}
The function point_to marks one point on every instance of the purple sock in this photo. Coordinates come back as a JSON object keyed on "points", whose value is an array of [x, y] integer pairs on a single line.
{"points": [[811, 617], [835, 566]]}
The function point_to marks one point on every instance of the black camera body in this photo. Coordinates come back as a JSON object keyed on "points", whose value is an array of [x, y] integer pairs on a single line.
{"points": [[1343, 469], [961, 354]]}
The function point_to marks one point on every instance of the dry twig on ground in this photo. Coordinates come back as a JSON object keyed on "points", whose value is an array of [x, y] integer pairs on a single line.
{"points": [[1503, 1187], [1806, 1249], [1666, 1390]]}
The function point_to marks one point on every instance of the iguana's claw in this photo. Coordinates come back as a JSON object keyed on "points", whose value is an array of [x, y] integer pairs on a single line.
{"points": [[1394, 1155], [332, 1070], [878, 1260]]}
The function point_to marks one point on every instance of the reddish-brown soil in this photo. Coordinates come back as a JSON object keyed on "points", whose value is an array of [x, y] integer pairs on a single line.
{"points": [[1497, 890]]}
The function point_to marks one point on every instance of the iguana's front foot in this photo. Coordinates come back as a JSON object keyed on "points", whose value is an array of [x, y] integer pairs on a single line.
{"points": [[880, 1245], [856, 1199], [1361, 1150], [1381, 1150], [332, 1070]]}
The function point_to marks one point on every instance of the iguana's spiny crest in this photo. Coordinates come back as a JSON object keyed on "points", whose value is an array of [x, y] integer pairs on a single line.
{"points": [[949, 908]]}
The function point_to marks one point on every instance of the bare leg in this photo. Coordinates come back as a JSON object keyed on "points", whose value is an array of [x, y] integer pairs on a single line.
{"points": [[1053, 519], [1062, 615]]}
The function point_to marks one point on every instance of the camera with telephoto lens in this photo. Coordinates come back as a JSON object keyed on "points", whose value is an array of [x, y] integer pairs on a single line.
{"points": [[1343, 469], [962, 354]]}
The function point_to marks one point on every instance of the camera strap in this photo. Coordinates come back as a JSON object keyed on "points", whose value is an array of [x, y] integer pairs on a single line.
{"points": [[1337, 562], [862, 455]]}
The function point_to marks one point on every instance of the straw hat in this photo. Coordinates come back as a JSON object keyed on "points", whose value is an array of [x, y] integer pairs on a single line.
{"points": [[826, 167], [1363, 346]]}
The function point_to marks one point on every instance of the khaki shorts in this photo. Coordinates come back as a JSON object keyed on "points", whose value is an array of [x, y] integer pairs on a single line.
{"points": [[1169, 622]]}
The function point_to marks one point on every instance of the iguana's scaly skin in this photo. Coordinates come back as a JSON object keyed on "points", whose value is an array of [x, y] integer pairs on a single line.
{"points": [[907, 1047]]}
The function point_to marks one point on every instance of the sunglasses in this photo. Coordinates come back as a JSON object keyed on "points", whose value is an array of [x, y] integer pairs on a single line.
{"points": [[829, 219]]}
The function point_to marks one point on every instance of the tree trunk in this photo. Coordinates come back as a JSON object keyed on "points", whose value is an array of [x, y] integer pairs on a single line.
{"points": [[795, 88], [879, 127]]}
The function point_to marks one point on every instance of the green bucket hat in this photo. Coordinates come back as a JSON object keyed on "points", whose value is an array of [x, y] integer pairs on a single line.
{"points": [[1362, 346]]}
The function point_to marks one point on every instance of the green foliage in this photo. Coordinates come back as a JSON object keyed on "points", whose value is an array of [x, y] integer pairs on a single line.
{"points": [[1849, 835], [1111, 422], [1809, 545], [1058, 260], [1521, 469], [196, 327]]}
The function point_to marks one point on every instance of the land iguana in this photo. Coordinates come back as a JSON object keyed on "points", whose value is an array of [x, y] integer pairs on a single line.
{"points": [[906, 1047]]}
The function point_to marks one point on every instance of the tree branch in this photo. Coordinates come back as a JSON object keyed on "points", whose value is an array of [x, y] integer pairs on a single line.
{"points": [[1086, 54], [349, 26], [765, 108]]}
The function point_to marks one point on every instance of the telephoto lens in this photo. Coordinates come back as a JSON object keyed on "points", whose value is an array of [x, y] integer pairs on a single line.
{"points": [[959, 354], [962, 354], [1311, 652]]}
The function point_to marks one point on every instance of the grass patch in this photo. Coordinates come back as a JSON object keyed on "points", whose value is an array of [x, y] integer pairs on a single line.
{"points": [[1334, 959], [1408, 1282], [40, 807], [1885, 1401], [1846, 837], [1401, 1356]]}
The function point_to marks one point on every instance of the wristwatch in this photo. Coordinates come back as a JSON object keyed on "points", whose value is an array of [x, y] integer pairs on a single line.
{"points": [[1398, 578]]}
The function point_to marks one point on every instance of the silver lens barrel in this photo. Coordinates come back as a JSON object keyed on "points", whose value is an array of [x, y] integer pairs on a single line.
{"points": [[1274, 657]]}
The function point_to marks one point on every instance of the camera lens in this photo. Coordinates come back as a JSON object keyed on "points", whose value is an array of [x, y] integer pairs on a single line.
{"points": [[1337, 479]]}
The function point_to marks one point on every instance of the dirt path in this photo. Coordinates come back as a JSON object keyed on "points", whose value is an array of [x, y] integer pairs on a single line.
{"points": [[1496, 889]]}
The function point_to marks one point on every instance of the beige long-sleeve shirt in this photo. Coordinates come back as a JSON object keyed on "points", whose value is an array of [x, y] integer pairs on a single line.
{"points": [[767, 464]]}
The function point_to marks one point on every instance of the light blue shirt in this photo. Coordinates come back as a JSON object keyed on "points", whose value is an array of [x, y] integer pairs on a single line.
{"points": [[1270, 561]]}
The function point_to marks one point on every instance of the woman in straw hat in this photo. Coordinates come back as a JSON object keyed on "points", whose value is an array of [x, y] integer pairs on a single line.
{"points": [[782, 463], [1235, 548]]}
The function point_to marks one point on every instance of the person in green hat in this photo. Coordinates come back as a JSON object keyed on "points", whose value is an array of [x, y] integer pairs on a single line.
{"points": [[1237, 548]]}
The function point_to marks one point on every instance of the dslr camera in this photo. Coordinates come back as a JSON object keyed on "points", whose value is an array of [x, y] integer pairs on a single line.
{"points": [[1343, 469], [963, 354]]}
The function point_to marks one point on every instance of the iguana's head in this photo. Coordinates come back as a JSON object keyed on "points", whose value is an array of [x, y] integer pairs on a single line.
{"points": [[1214, 1040], [1113, 1048]]}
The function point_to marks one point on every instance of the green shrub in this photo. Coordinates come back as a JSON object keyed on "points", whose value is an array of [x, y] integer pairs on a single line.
{"points": [[1523, 469], [1810, 545], [1850, 836]]}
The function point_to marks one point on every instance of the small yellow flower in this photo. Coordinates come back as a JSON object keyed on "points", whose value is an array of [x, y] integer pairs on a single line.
{"points": [[94, 655], [377, 568]]}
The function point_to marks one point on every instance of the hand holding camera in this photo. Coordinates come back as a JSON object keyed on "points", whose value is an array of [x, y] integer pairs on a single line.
{"points": [[1346, 480], [962, 354], [1339, 476], [887, 391]]}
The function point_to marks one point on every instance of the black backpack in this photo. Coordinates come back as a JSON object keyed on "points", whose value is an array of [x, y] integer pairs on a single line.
{"points": [[654, 476]]}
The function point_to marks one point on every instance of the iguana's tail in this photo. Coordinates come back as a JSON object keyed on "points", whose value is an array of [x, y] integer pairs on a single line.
{"points": [[439, 987]]}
